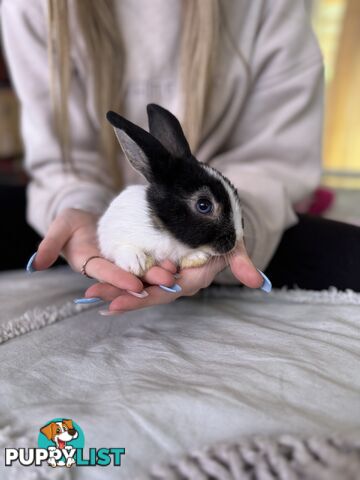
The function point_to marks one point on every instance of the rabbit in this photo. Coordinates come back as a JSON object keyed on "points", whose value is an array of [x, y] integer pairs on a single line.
{"points": [[188, 212]]}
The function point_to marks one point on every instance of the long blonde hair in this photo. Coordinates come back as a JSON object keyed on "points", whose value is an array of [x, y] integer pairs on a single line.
{"points": [[98, 26]]}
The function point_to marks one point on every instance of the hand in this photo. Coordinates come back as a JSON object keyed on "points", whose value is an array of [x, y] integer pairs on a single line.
{"points": [[191, 281], [73, 233]]}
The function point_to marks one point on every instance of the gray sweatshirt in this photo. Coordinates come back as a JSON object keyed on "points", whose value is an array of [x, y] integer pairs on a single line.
{"points": [[263, 129]]}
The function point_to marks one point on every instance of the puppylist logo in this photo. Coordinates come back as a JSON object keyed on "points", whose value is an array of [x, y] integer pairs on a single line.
{"points": [[61, 444]]}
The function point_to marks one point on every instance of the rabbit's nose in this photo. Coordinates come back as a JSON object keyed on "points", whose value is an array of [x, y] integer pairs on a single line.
{"points": [[226, 242]]}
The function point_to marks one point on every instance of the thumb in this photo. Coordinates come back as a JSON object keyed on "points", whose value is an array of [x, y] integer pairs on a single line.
{"points": [[245, 271], [54, 241]]}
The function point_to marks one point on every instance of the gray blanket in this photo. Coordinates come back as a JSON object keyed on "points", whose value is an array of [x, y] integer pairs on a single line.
{"points": [[215, 369]]}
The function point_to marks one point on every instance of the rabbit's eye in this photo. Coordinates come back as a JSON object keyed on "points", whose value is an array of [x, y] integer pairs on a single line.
{"points": [[203, 205]]}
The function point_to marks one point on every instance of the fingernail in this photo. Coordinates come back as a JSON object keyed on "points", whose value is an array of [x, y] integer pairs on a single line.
{"points": [[177, 276], [29, 266], [142, 294], [87, 300], [173, 289], [109, 313], [266, 286]]}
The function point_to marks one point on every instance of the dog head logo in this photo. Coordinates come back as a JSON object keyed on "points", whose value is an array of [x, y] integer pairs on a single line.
{"points": [[60, 432], [61, 437]]}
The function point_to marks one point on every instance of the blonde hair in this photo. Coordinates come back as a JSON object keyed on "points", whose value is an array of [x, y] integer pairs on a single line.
{"points": [[98, 26]]}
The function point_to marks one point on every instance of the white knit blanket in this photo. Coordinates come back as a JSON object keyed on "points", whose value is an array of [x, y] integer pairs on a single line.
{"points": [[227, 385]]}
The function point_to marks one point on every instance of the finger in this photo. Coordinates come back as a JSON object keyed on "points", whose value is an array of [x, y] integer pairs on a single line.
{"points": [[156, 296], [169, 265], [244, 270], [107, 272], [105, 291], [159, 276], [201, 277], [192, 280], [53, 243]]}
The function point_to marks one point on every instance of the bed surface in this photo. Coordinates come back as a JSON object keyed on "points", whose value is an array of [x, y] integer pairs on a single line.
{"points": [[221, 366]]}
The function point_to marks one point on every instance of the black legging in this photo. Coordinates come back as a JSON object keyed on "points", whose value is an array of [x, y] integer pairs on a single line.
{"points": [[17, 240], [314, 254]]}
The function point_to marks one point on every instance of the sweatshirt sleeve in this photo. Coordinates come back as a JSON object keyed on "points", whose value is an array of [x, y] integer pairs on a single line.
{"points": [[50, 189], [273, 155]]}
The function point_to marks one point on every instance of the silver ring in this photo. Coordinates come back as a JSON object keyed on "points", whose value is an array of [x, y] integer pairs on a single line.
{"points": [[83, 268]]}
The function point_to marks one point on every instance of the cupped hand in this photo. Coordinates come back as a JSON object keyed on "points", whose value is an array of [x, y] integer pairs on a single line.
{"points": [[191, 280], [73, 234]]}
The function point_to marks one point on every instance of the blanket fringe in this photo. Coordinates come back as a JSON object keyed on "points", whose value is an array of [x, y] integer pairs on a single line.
{"points": [[284, 458], [296, 295], [38, 318]]}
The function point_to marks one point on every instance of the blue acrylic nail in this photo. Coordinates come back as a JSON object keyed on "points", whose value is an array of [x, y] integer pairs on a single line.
{"points": [[173, 289], [29, 266], [87, 300], [266, 286]]}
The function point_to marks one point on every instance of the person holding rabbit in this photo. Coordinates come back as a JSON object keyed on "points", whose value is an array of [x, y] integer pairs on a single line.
{"points": [[245, 80]]}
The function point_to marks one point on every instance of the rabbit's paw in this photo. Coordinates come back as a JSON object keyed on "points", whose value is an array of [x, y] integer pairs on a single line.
{"points": [[197, 259], [133, 260]]}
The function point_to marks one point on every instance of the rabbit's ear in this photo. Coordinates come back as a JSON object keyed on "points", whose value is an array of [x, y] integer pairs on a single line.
{"points": [[144, 152], [167, 129]]}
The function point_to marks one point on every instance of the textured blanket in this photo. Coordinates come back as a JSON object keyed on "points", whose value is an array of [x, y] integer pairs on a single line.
{"points": [[229, 384]]}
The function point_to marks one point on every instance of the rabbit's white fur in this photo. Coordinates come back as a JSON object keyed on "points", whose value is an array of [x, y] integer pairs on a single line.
{"points": [[127, 236]]}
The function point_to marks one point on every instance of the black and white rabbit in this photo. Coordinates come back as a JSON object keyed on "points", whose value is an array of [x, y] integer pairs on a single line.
{"points": [[188, 211]]}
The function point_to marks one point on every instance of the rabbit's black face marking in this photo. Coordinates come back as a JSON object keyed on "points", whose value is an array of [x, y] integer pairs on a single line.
{"points": [[190, 200], [175, 204]]}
